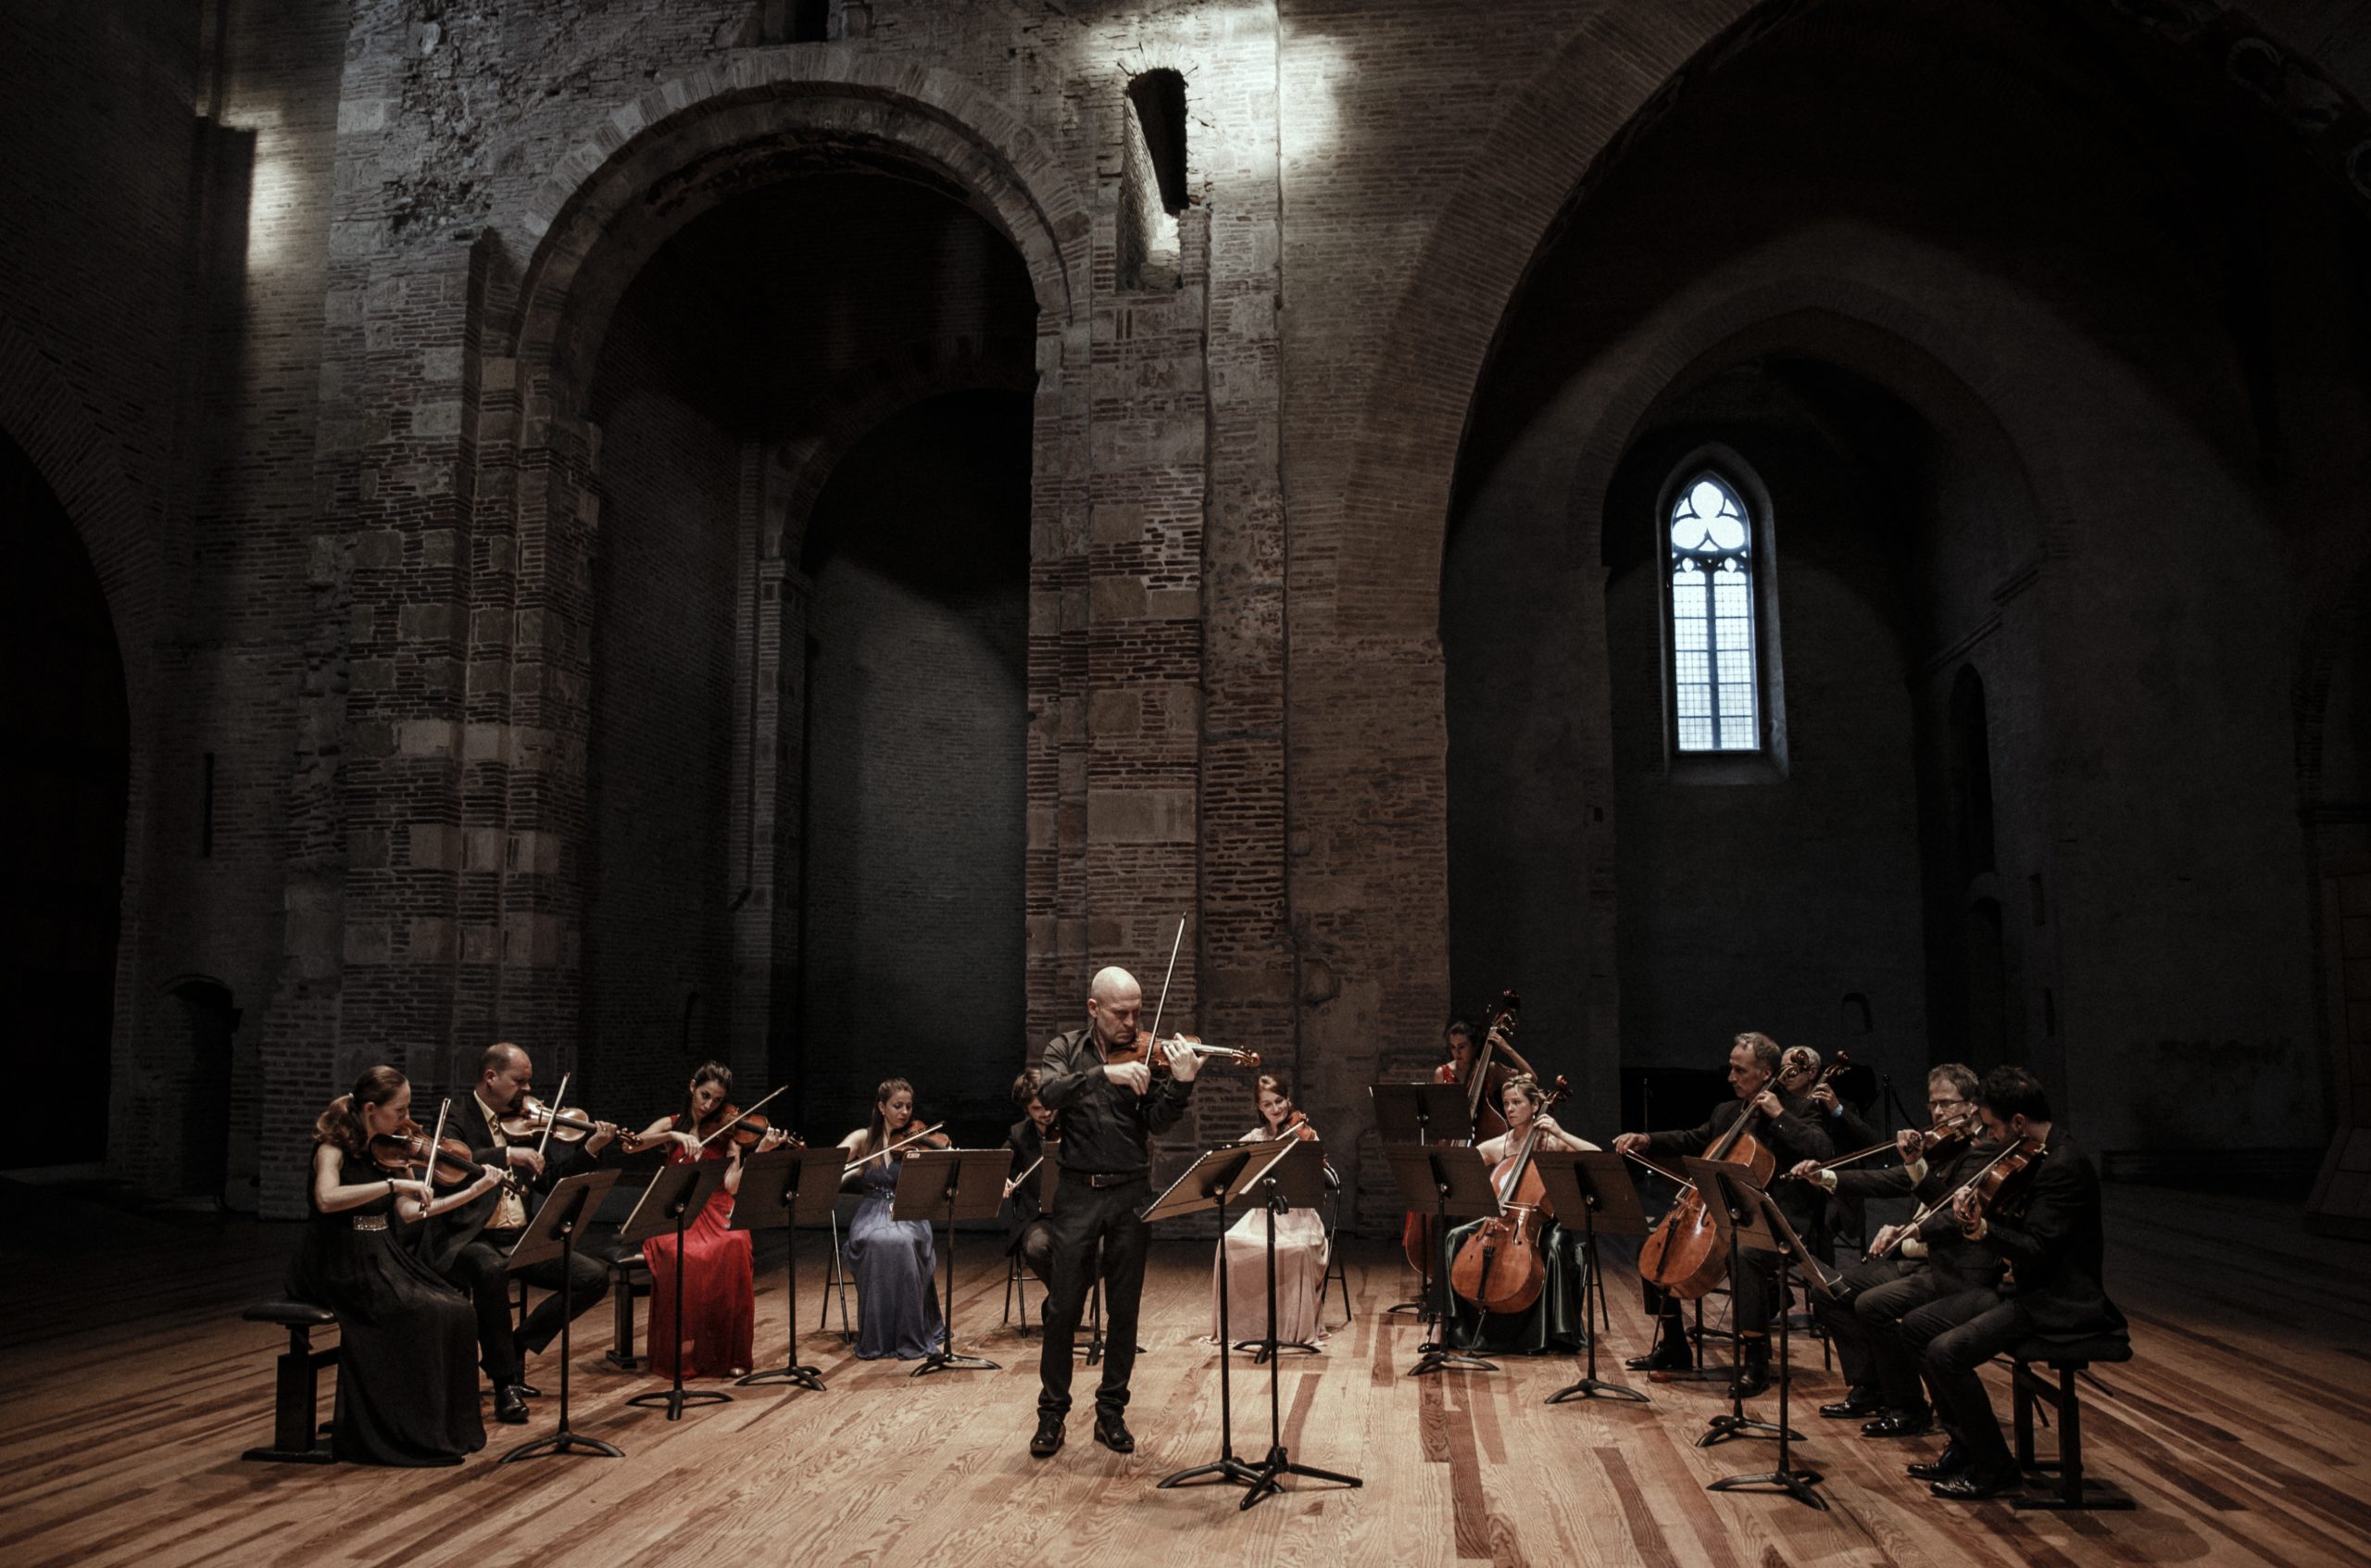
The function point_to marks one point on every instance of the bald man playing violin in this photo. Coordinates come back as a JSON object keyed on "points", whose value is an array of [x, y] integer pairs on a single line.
{"points": [[1106, 1111], [470, 1246]]}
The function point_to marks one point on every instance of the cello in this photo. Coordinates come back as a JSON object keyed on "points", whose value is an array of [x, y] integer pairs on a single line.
{"points": [[1499, 1268], [1682, 1255]]}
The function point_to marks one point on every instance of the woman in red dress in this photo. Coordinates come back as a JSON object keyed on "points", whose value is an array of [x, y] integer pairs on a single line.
{"points": [[714, 1331]]}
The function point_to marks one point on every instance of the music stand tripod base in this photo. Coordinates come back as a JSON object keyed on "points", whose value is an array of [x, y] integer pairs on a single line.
{"points": [[1796, 1484]]}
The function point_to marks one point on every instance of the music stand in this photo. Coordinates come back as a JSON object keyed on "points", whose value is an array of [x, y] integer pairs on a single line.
{"points": [[1212, 1182], [1745, 1213], [967, 1184], [1422, 1113], [1295, 1181], [566, 1210], [1449, 1179], [1593, 1184], [788, 1188], [675, 1193]]}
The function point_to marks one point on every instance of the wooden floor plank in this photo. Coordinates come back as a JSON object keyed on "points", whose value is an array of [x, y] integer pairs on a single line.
{"points": [[132, 1387]]}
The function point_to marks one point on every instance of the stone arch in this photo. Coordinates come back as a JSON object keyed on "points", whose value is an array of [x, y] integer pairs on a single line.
{"points": [[690, 144], [1592, 98], [856, 403]]}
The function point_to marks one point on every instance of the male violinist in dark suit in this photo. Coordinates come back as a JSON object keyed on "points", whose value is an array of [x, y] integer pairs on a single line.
{"points": [[468, 1245], [2046, 1227], [1790, 1129], [1904, 1273], [1028, 1234]]}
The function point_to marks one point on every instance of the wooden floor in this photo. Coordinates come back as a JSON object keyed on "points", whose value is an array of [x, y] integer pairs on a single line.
{"points": [[130, 1386]]}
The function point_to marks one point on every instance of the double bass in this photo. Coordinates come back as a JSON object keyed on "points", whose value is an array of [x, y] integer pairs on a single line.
{"points": [[1499, 1268]]}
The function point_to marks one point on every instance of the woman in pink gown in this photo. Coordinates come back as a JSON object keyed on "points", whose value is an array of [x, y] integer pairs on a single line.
{"points": [[714, 1330]]}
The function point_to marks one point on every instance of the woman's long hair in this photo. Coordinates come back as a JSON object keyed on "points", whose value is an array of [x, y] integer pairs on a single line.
{"points": [[341, 1124], [877, 1130]]}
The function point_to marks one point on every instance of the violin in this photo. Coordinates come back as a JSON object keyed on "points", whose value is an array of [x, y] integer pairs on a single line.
{"points": [[1499, 1268], [1142, 1049], [1990, 1183], [1945, 1136], [531, 1117], [408, 1148], [1296, 1125]]}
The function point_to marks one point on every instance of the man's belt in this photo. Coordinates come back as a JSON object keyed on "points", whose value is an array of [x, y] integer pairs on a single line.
{"points": [[1103, 1178]]}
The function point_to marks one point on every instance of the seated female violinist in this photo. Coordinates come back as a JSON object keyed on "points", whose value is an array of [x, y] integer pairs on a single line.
{"points": [[407, 1375], [892, 1260], [1301, 1248], [716, 1318], [1557, 1320]]}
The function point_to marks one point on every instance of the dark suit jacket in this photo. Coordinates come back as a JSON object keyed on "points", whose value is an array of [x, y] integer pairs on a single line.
{"points": [[1972, 1265], [447, 1234], [1021, 1207], [1791, 1136], [2054, 1242]]}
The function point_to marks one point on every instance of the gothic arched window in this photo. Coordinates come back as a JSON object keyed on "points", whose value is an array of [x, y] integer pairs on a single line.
{"points": [[1715, 681]]}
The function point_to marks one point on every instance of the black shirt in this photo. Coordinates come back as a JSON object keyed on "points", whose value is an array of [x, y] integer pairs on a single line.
{"points": [[1103, 1126]]}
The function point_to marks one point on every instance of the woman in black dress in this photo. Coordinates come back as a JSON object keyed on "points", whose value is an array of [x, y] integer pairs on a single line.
{"points": [[406, 1370]]}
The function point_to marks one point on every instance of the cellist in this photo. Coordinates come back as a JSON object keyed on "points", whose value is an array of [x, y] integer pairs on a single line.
{"points": [[1557, 1320], [1788, 1127]]}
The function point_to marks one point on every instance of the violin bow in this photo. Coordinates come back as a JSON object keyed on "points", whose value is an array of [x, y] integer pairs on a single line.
{"points": [[892, 1149], [1174, 942], [551, 1114]]}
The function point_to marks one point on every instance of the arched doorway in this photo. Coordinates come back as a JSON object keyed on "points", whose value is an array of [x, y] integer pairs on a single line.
{"points": [[63, 782]]}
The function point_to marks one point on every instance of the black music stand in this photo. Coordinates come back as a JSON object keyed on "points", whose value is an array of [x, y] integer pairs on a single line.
{"points": [[1750, 1218], [788, 1188], [565, 1210], [674, 1195], [1422, 1113], [1212, 1182], [1448, 1179], [963, 1184], [1295, 1181], [1302, 1174], [1593, 1185]]}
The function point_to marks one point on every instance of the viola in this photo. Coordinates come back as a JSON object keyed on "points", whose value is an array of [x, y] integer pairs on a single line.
{"points": [[1499, 1268], [1992, 1184], [531, 1117]]}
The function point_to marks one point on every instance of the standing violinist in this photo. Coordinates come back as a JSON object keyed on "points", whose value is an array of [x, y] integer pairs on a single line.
{"points": [[1028, 1233], [718, 1314], [1108, 1104], [1905, 1271], [469, 1245], [1786, 1125], [1300, 1246], [2045, 1225], [1557, 1320]]}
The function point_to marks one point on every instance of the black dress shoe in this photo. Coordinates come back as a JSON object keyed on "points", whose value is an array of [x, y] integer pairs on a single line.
{"points": [[1950, 1462], [1898, 1423], [1752, 1378], [1669, 1355], [1113, 1434], [1856, 1402], [510, 1406], [1974, 1485], [528, 1391], [1048, 1439]]}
